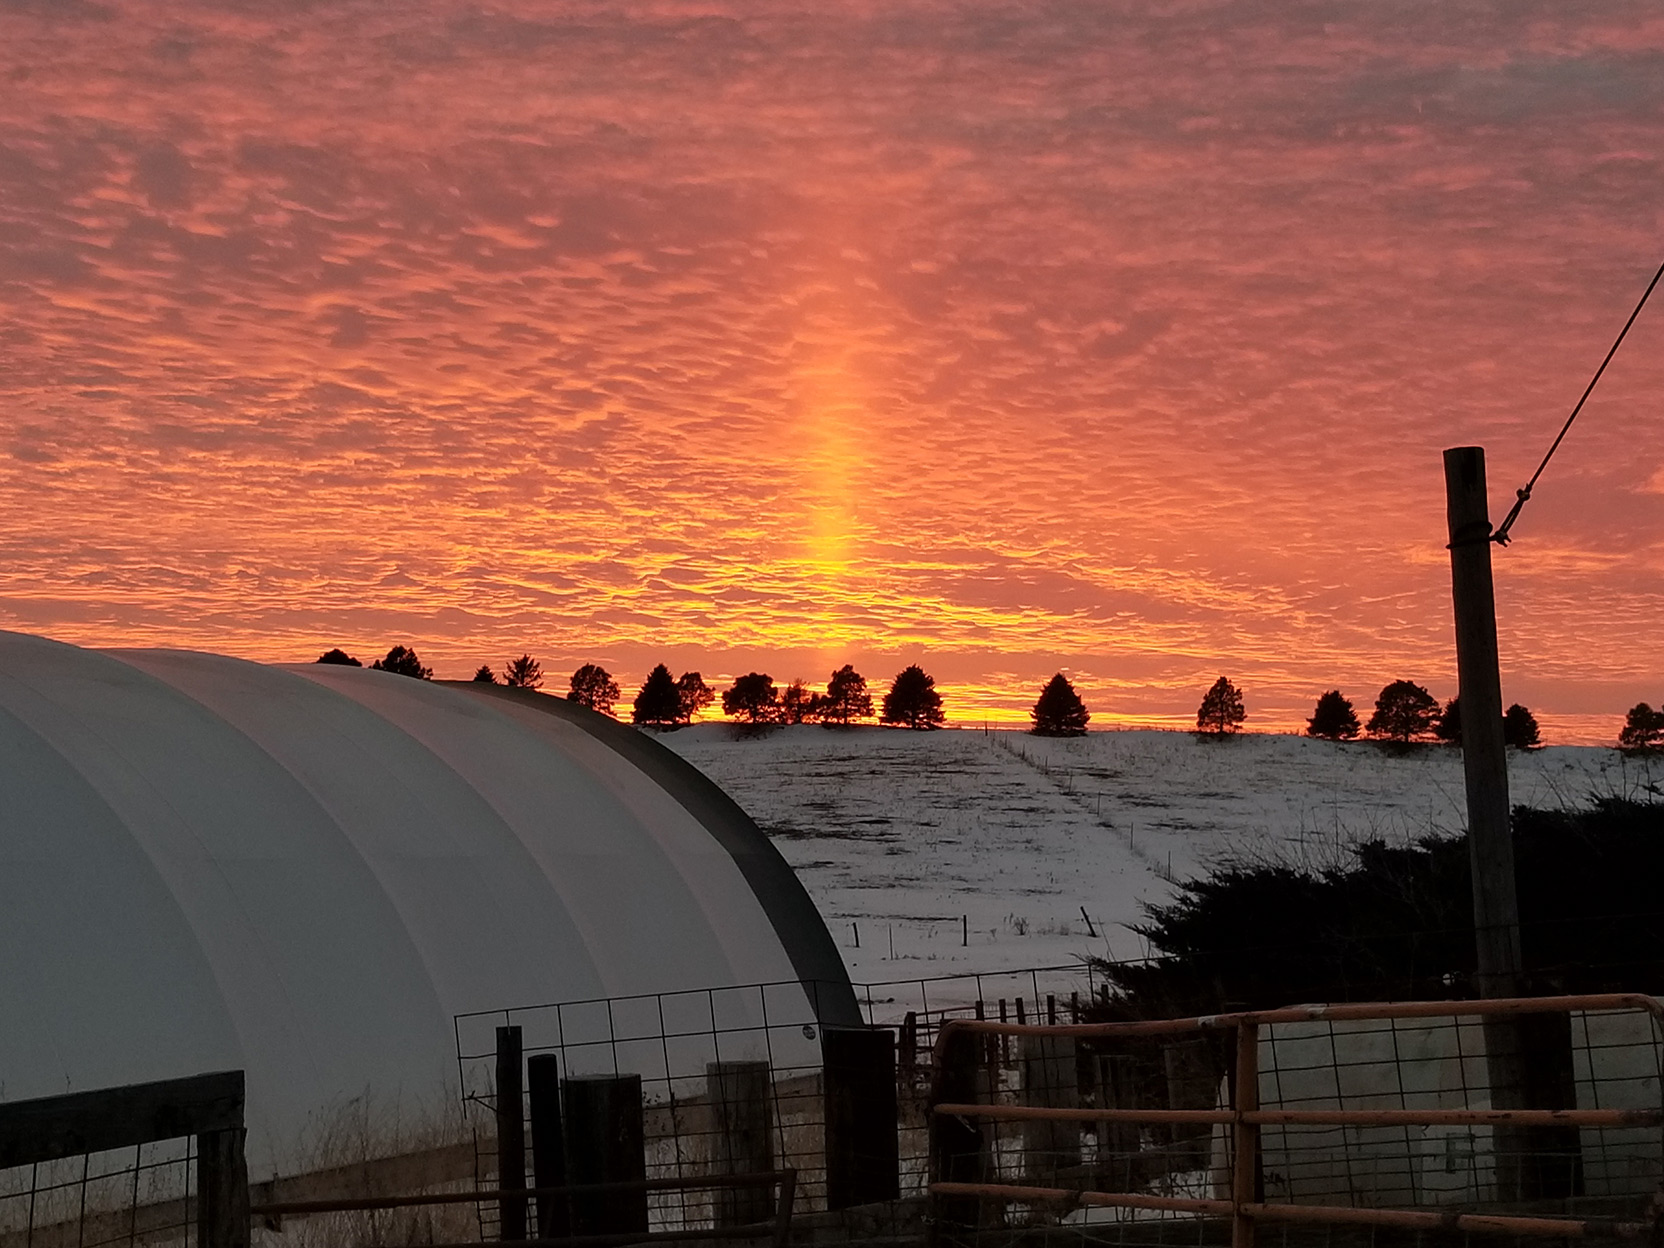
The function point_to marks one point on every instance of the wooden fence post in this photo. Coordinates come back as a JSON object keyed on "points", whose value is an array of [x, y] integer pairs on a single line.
{"points": [[1117, 1141], [605, 1143], [741, 1099], [863, 1142], [511, 1137], [554, 1215], [222, 1190], [956, 1144], [1050, 1081]]}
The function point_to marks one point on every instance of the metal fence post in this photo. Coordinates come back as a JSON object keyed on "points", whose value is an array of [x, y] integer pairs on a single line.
{"points": [[1245, 1155]]}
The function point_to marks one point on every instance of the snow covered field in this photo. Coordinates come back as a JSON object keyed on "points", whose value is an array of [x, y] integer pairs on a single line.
{"points": [[912, 838]]}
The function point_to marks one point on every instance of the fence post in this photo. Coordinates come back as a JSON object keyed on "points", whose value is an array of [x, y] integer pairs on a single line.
{"points": [[511, 1137], [740, 1096], [1117, 1141], [605, 1143], [956, 1144], [222, 1218], [1050, 1081], [1245, 1152], [554, 1216], [863, 1143]]}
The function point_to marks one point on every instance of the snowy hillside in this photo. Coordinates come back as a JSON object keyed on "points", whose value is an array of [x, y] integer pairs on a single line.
{"points": [[906, 836]]}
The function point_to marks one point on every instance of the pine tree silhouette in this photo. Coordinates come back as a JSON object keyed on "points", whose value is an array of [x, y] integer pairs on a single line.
{"points": [[912, 701], [403, 660], [754, 697], [1403, 712], [1059, 712], [847, 698], [1221, 711], [593, 686], [693, 695], [523, 673], [659, 703], [1333, 718]]}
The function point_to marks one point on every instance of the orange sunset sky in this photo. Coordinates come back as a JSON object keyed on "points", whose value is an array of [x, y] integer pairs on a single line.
{"points": [[1002, 337]]}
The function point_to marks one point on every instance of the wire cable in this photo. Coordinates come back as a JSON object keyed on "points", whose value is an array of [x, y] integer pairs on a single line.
{"points": [[1523, 496]]}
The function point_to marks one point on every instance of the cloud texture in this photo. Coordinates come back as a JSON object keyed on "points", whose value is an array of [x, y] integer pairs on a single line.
{"points": [[1016, 336]]}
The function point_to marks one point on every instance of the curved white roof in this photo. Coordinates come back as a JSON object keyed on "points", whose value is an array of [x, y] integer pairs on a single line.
{"points": [[307, 872]]}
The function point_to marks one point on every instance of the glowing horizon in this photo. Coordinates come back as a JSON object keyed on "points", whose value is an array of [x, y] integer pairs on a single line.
{"points": [[1002, 337]]}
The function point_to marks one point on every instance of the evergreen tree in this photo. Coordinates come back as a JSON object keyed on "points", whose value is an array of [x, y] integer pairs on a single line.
{"points": [[847, 698], [753, 696], [1643, 729], [523, 673], [798, 705], [1221, 711], [340, 657], [659, 702], [1449, 726], [1519, 728], [1333, 718], [1403, 712], [912, 700], [693, 695], [403, 661], [593, 686], [485, 675], [1059, 712]]}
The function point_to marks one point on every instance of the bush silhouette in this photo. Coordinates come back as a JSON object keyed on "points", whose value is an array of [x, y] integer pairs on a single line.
{"points": [[754, 697], [523, 673], [1333, 718], [340, 657], [692, 696], [1519, 728], [403, 661], [1643, 730], [1221, 711], [593, 686], [1395, 922], [485, 675], [1059, 712], [658, 703], [1403, 712], [847, 698], [912, 701]]}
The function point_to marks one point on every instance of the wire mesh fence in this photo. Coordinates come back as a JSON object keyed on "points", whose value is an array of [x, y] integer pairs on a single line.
{"points": [[1133, 1115], [138, 1195], [681, 1043]]}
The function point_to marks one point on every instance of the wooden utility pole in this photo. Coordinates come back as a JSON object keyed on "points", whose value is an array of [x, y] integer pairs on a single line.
{"points": [[1496, 911], [1528, 1059]]}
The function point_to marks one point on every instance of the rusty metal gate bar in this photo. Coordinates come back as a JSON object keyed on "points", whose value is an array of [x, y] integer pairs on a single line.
{"points": [[952, 1113]]}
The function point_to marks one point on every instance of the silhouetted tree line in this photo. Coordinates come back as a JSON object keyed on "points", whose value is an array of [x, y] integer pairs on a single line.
{"points": [[1406, 712]]}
